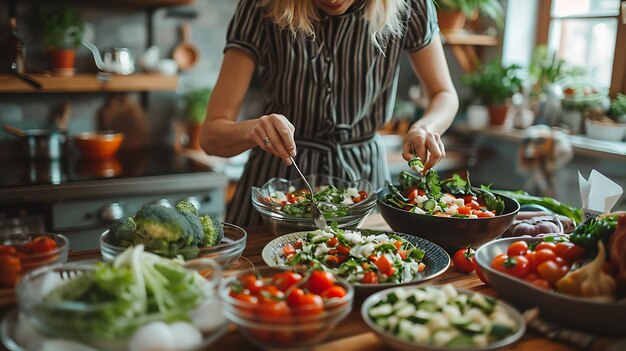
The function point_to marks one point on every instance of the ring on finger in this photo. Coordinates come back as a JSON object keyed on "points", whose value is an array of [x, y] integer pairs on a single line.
{"points": [[266, 140]]}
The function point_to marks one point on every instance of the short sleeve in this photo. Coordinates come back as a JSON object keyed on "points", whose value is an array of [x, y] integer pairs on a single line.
{"points": [[422, 25], [245, 29]]}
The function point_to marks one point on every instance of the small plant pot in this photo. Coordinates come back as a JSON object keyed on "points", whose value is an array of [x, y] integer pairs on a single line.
{"points": [[63, 61], [477, 116], [497, 114], [450, 20]]}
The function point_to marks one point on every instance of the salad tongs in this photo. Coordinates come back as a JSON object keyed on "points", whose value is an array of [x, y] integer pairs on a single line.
{"points": [[318, 218]]}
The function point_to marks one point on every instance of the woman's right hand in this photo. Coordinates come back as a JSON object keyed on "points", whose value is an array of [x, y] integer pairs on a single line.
{"points": [[274, 134]]}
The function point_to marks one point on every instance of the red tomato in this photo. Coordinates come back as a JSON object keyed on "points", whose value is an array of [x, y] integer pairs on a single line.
{"points": [[41, 244], [7, 250], [485, 214], [531, 256], [550, 271], [288, 249], [294, 297], [286, 280], [332, 241], [498, 262], [412, 194], [516, 265], [544, 255], [569, 251], [465, 210], [479, 271], [270, 294], [545, 245], [369, 277], [342, 249], [334, 291], [541, 283], [251, 283], [320, 281], [309, 304], [463, 260], [383, 264], [518, 248]]}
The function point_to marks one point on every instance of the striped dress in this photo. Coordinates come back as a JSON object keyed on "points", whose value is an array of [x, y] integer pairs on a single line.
{"points": [[336, 89]]}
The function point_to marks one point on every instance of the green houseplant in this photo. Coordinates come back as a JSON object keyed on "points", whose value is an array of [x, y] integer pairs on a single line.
{"points": [[618, 108], [63, 32], [452, 14], [195, 102], [493, 85]]}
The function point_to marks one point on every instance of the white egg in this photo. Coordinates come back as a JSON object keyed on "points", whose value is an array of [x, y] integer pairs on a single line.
{"points": [[186, 336], [64, 345], [156, 336], [208, 316]]}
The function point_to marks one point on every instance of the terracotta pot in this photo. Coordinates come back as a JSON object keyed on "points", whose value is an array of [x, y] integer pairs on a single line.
{"points": [[193, 132], [450, 20], [497, 114], [63, 61]]}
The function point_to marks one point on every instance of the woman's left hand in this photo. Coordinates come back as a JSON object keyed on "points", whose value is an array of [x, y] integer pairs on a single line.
{"points": [[427, 145]]}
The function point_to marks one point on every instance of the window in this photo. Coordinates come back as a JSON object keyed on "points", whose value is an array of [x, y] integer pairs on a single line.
{"points": [[584, 33]]}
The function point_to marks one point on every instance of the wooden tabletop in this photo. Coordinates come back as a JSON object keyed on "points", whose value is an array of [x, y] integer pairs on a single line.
{"points": [[352, 333]]}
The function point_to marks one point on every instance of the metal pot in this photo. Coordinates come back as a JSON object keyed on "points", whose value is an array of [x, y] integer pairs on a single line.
{"points": [[39, 144]]}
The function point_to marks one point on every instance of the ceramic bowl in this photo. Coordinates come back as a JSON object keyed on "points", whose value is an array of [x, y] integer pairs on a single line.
{"points": [[99, 146]]}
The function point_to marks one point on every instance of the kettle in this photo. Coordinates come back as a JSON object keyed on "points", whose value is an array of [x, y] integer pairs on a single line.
{"points": [[115, 60]]}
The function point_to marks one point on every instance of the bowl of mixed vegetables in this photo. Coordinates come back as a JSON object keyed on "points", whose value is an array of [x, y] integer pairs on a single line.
{"points": [[366, 258], [138, 302], [175, 232], [576, 280], [285, 205], [449, 212], [441, 318]]}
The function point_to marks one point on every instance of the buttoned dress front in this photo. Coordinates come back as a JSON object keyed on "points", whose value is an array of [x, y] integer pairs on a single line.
{"points": [[337, 89]]}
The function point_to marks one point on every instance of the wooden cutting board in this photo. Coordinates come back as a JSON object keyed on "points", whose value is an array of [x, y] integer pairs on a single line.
{"points": [[123, 115]]}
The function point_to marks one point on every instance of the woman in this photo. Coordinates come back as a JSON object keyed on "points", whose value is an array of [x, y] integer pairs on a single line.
{"points": [[329, 72]]}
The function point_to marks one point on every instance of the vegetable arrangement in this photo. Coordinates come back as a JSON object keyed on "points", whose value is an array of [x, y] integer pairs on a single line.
{"points": [[114, 300], [171, 232], [366, 259], [575, 214], [333, 202], [17, 259], [534, 226], [453, 197], [442, 317]]}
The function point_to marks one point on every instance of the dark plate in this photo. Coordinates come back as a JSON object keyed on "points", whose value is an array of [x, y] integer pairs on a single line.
{"points": [[449, 232], [435, 259], [578, 313]]}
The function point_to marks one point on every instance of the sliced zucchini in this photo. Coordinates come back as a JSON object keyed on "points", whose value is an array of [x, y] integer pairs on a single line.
{"points": [[384, 310], [428, 306], [461, 341]]}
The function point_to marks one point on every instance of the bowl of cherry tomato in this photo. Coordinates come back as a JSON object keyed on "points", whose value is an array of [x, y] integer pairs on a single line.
{"points": [[279, 308], [525, 272], [23, 252]]}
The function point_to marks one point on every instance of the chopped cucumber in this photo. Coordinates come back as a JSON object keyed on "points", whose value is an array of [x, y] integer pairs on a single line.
{"points": [[461, 341], [500, 331], [429, 205]]}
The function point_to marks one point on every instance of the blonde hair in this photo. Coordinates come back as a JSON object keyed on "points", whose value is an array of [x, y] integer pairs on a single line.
{"points": [[385, 17]]}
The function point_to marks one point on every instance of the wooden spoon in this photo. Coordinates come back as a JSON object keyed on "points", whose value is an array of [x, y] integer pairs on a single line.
{"points": [[185, 54]]}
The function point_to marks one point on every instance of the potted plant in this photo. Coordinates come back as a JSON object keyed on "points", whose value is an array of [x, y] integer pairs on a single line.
{"points": [[493, 85], [452, 14], [618, 108], [195, 102], [63, 32]]}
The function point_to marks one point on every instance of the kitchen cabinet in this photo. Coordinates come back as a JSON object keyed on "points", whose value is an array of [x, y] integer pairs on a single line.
{"points": [[90, 83]]}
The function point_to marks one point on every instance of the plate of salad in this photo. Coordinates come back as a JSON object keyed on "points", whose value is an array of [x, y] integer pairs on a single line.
{"points": [[363, 257], [336, 197]]}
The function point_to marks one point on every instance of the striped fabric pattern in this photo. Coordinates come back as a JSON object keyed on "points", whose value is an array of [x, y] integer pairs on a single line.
{"points": [[337, 89]]}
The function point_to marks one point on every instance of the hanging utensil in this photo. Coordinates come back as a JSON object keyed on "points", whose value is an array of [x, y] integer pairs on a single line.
{"points": [[318, 217], [186, 54]]}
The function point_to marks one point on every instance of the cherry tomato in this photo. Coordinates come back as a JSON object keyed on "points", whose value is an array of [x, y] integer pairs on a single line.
{"points": [[516, 265], [485, 214], [286, 280], [479, 271], [518, 248], [569, 251], [545, 245], [309, 304], [332, 241], [252, 284], [334, 291], [463, 260], [544, 255], [270, 294], [550, 271], [293, 299], [498, 262], [320, 281], [541, 283], [369, 277], [531, 256]]}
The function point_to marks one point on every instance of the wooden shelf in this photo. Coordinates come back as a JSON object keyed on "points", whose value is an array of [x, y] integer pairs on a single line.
{"points": [[470, 39], [90, 83]]}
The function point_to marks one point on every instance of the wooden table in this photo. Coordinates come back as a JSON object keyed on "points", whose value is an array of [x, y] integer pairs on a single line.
{"points": [[352, 333]]}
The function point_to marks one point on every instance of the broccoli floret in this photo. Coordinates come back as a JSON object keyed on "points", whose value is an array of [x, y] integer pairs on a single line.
{"points": [[122, 233], [213, 230], [156, 222], [195, 229], [184, 206]]}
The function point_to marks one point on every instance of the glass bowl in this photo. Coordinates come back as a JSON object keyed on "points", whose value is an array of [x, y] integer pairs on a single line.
{"points": [[225, 253], [290, 330], [84, 321], [27, 251], [260, 195]]}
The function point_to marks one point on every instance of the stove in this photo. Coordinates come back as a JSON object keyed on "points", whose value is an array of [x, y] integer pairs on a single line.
{"points": [[82, 198]]}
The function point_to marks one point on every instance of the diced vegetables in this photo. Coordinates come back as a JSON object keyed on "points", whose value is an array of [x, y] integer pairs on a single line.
{"points": [[441, 316], [333, 202], [20, 258]]}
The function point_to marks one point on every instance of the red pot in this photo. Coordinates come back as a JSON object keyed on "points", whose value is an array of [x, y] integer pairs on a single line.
{"points": [[450, 20], [497, 114], [63, 61]]}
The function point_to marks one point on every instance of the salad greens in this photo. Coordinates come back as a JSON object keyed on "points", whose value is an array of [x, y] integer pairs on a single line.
{"points": [[448, 197], [594, 229], [367, 259], [333, 202], [113, 300], [575, 214]]}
